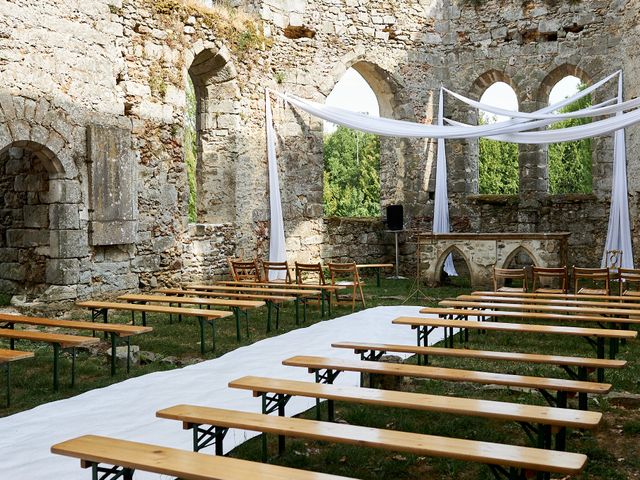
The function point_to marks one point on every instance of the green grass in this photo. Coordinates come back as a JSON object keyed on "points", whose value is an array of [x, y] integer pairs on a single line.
{"points": [[611, 449]]}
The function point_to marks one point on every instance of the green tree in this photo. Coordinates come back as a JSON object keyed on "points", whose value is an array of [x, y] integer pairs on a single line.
{"points": [[498, 170], [351, 174], [569, 163], [191, 147]]}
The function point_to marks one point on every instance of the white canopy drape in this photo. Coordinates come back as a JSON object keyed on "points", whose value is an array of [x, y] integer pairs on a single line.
{"points": [[516, 130], [277, 246]]}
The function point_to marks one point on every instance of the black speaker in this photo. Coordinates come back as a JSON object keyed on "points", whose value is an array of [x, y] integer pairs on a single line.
{"points": [[395, 216]]}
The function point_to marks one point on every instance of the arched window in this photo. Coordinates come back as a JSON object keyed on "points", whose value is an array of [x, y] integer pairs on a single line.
{"points": [[570, 163], [498, 171], [351, 158]]}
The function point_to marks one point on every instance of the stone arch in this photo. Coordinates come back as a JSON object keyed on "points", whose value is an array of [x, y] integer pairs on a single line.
{"points": [[454, 249], [39, 225], [213, 74], [479, 86], [518, 250], [544, 93], [384, 85], [555, 76]]}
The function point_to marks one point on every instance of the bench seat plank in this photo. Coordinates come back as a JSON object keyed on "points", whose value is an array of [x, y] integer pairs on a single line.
{"points": [[61, 339], [262, 290], [280, 285], [204, 293], [447, 374], [561, 417], [118, 329], [220, 302], [581, 312], [561, 296], [501, 326], [586, 362], [7, 355], [525, 315], [175, 462], [195, 312], [550, 301], [420, 444]]}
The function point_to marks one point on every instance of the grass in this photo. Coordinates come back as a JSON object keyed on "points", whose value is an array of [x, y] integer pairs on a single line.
{"points": [[611, 448]]}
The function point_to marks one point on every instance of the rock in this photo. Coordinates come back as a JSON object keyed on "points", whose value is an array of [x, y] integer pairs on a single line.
{"points": [[121, 354], [149, 357]]}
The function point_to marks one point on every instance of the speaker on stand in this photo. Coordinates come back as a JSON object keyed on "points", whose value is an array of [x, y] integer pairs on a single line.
{"points": [[395, 225]]}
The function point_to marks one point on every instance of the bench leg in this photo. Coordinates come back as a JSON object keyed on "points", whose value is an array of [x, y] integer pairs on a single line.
{"points": [[113, 354], [378, 277], [297, 310], [111, 473], [206, 436], [73, 367], [56, 352], [7, 374], [269, 306], [600, 348], [201, 323], [236, 313], [328, 303]]}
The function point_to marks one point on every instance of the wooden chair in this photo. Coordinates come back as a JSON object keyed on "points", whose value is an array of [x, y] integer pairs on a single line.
{"points": [[540, 274], [509, 274], [245, 271], [346, 274], [628, 277], [277, 267], [594, 276], [309, 273]]}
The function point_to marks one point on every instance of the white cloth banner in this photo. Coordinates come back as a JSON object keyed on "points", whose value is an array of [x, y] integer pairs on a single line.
{"points": [[277, 246], [619, 231], [441, 203]]}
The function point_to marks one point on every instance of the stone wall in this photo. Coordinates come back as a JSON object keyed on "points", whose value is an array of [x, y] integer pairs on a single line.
{"points": [[123, 64]]}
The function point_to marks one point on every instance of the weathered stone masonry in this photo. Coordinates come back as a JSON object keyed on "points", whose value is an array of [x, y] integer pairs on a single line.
{"points": [[117, 68]]}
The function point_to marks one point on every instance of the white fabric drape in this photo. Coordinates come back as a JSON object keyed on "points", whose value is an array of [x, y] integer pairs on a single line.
{"points": [[441, 204], [277, 248], [619, 231]]}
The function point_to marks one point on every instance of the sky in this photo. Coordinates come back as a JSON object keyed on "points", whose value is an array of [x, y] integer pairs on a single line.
{"points": [[353, 93]]}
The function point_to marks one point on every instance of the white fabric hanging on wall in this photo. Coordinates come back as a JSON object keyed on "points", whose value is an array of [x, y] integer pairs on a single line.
{"points": [[441, 204], [619, 231], [277, 246]]}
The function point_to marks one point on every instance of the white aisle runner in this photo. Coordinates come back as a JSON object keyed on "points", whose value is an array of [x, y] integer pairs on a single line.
{"points": [[127, 409]]}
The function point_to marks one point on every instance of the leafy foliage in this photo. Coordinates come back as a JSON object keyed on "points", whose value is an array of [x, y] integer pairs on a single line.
{"points": [[570, 162], [191, 147], [498, 169], [351, 174]]}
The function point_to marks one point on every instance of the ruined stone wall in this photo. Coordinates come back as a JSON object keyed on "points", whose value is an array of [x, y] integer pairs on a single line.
{"points": [[123, 64]]}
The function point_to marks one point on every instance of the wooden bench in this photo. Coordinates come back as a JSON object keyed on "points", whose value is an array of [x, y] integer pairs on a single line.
{"points": [[377, 267], [100, 309], [276, 393], [126, 457], [272, 301], [236, 305], [374, 351], [502, 457], [326, 289], [6, 358], [424, 326], [58, 341], [326, 369], [115, 330], [301, 294], [550, 301], [582, 313], [560, 296]]}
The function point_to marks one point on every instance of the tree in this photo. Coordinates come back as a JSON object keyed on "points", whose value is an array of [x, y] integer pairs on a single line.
{"points": [[569, 163], [351, 174], [498, 170]]}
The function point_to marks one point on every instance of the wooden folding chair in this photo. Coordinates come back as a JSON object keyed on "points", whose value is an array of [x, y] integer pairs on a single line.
{"points": [[542, 278], [628, 277], [309, 273], [269, 267], [509, 274], [346, 274], [594, 276], [245, 271]]}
